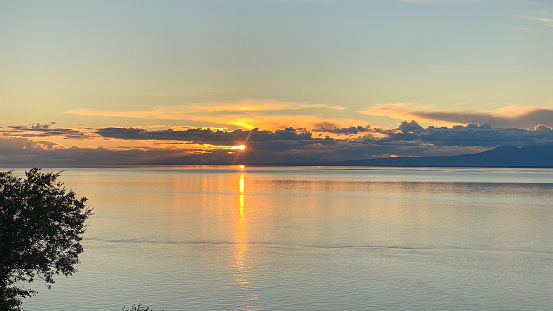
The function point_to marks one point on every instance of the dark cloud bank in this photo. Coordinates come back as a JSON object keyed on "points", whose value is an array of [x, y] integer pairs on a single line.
{"points": [[290, 145]]}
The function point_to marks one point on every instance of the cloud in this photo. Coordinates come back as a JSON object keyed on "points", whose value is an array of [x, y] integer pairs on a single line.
{"points": [[510, 116], [287, 145], [542, 127], [167, 112], [15, 145], [272, 122], [97, 157], [205, 136], [248, 114], [26, 153], [256, 105], [328, 127], [544, 20], [43, 130], [470, 135]]}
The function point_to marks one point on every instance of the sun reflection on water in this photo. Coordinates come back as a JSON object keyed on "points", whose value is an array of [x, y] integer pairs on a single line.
{"points": [[243, 262], [241, 245]]}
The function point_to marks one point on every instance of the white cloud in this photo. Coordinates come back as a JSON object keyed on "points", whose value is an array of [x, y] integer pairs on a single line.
{"points": [[544, 20]]}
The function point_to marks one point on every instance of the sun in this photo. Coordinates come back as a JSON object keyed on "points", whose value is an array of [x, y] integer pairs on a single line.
{"points": [[239, 147]]}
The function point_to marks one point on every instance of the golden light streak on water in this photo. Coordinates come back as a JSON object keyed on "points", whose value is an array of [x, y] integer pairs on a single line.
{"points": [[241, 186], [242, 275]]}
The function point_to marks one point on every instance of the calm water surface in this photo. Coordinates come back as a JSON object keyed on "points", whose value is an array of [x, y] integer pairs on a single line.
{"points": [[225, 238]]}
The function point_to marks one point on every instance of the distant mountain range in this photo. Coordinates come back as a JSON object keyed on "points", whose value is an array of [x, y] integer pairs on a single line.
{"points": [[505, 156]]}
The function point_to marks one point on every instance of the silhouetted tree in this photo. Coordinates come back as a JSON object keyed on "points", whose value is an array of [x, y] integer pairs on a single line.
{"points": [[41, 226]]}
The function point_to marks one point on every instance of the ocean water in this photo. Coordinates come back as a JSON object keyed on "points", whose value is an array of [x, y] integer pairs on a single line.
{"points": [[307, 238]]}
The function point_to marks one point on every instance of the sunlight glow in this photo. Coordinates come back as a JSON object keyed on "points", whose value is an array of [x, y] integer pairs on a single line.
{"points": [[239, 147]]}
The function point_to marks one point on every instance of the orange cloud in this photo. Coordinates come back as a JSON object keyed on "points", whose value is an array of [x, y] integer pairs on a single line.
{"points": [[248, 105], [405, 111], [248, 114], [180, 112], [282, 121]]}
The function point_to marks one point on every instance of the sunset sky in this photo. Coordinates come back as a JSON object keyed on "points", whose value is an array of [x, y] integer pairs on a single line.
{"points": [[110, 81]]}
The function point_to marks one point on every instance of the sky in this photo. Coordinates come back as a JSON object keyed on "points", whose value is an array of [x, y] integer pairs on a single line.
{"points": [[183, 82]]}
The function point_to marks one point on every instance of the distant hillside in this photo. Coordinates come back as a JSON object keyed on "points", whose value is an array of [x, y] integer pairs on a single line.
{"points": [[506, 156]]}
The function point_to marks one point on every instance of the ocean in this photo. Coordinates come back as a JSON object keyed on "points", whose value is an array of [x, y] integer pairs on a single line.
{"points": [[310, 238]]}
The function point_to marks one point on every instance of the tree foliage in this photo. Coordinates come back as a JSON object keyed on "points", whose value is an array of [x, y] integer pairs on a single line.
{"points": [[41, 227]]}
